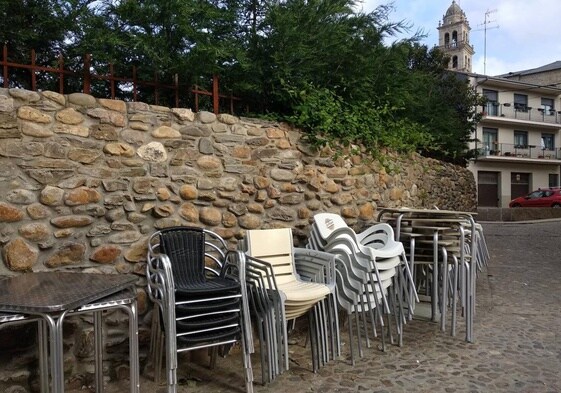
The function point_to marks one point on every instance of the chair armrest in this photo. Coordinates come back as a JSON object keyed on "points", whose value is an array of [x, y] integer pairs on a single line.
{"points": [[233, 266], [264, 268], [315, 266], [160, 287]]}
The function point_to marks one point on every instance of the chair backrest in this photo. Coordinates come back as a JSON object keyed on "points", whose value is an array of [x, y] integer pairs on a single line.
{"points": [[327, 223], [185, 247], [275, 247], [377, 236]]}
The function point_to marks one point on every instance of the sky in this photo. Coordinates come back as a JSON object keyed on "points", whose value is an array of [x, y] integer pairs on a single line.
{"points": [[520, 35]]}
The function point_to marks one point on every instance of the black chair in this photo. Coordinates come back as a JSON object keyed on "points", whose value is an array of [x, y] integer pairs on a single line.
{"points": [[200, 298]]}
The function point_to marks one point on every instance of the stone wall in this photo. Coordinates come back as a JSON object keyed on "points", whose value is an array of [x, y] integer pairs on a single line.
{"points": [[85, 181]]}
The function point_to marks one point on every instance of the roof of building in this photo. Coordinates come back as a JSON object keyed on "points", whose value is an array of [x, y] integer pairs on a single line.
{"points": [[556, 65], [454, 9]]}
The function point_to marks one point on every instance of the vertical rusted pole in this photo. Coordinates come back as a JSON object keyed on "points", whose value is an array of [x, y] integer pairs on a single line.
{"points": [[196, 98], [112, 76], [5, 68], [156, 96], [215, 97], [87, 76], [61, 74], [134, 83], [176, 88], [33, 76], [231, 103]]}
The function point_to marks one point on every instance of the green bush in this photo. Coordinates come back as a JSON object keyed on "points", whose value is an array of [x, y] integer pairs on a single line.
{"points": [[328, 120]]}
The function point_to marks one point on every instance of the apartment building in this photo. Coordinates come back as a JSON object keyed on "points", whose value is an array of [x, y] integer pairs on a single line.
{"points": [[518, 139]]}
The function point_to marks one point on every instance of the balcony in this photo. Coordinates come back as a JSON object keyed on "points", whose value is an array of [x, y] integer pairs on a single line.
{"points": [[507, 151], [455, 44], [521, 113]]}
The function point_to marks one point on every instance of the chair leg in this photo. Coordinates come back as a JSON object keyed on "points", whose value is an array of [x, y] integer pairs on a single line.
{"points": [[455, 284], [246, 359], [313, 341], [444, 298], [351, 341], [359, 339]]}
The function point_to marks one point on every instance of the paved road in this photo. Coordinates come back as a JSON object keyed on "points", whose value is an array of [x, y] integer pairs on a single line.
{"points": [[517, 332]]}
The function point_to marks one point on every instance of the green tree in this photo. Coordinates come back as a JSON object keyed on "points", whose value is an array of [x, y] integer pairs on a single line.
{"points": [[443, 101], [42, 25], [321, 64]]}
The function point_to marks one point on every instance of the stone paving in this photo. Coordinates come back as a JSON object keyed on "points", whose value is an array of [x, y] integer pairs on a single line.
{"points": [[517, 337]]}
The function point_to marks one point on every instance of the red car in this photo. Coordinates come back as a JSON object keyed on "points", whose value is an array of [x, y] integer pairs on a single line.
{"points": [[543, 197]]}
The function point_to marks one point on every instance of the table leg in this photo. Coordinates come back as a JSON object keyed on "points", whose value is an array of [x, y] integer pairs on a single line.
{"points": [[43, 355], [434, 300], [98, 340], [56, 348], [444, 302], [133, 348]]}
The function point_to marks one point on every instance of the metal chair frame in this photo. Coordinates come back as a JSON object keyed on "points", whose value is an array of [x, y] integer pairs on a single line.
{"points": [[162, 290]]}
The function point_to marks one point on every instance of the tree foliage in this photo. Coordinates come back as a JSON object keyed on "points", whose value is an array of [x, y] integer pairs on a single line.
{"points": [[324, 65]]}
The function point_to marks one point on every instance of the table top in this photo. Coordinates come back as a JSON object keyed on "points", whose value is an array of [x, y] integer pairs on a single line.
{"points": [[425, 211], [58, 291]]}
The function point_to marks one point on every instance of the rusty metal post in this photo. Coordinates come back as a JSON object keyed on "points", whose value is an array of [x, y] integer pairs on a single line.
{"points": [[87, 75], [112, 79], [156, 85], [33, 76], [5, 68], [176, 89], [61, 74], [196, 98], [215, 97], [134, 83]]}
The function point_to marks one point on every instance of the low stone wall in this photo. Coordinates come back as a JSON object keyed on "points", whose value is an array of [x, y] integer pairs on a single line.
{"points": [[85, 181]]}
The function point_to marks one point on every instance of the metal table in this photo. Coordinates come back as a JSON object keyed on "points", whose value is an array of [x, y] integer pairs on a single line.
{"points": [[51, 296]]}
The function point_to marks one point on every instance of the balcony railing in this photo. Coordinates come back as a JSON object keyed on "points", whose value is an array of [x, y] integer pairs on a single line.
{"points": [[518, 151], [522, 112]]}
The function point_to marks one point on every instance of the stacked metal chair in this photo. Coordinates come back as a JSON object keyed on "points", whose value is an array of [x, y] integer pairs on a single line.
{"points": [[380, 278], [350, 284], [200, 297], [303, 282], [267, 311], [448, 251]]}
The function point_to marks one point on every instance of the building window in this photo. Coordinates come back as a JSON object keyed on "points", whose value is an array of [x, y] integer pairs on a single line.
{"points": [[492, 105], [548, 142], [553, 180], [490, 140], [520, 139], [521, 102], [547, 106], [454, 38], [455, 62], [446, 39]]}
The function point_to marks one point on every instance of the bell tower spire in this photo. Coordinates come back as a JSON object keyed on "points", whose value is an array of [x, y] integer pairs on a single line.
{"points": [[453, 38]]}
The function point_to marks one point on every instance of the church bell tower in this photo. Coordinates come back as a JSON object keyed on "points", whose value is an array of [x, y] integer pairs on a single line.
{"points": [[453, 38]]}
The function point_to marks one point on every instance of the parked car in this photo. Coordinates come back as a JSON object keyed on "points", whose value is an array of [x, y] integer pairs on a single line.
{"points": [[543, 197]]}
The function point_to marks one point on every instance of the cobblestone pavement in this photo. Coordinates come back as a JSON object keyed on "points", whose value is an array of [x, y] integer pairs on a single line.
{"points": [[517, 336]]}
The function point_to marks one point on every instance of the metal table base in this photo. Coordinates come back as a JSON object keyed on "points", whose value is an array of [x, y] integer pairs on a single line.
{"points": [[48, 297]]}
